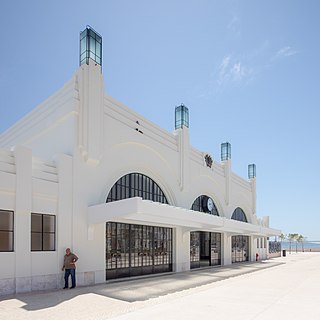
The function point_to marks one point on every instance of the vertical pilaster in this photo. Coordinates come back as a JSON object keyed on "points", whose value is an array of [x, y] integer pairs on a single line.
{"points": [[253, 248], [226, 162], [91, 99], [254, 195], [227, 176], [182, 249], [65, 206], [226, 249], [22, 218], [183, 145]]}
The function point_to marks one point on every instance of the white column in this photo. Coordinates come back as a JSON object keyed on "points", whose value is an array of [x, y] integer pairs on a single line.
{"points": [[22, 218], [226, 249], [253, 248], [254, 195], [91, 102], [181, 246], [65, 208], [183, 145], [227, 173]]}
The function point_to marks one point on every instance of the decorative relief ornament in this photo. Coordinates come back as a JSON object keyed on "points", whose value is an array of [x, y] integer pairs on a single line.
{"points": [[208, 160]]}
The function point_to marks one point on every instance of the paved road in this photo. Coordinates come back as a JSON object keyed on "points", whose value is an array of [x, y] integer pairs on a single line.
{"points": [[282, 288]]}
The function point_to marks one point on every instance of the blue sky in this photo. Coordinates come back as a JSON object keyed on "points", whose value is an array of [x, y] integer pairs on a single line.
{"points": [[247, 70]]}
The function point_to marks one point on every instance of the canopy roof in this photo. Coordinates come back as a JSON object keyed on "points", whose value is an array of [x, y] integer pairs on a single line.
{"points": [[138, 211]]}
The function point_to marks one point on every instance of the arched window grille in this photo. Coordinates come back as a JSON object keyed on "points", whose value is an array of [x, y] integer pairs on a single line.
{"points": [[136, 185], [239, 215], [201, 204]]}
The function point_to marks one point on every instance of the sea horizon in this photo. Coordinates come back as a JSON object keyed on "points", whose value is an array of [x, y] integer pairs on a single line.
{"points": [[285, 245]]}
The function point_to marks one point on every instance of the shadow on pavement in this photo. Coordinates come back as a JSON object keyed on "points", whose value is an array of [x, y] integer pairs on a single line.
{"points": [[141, 289]]}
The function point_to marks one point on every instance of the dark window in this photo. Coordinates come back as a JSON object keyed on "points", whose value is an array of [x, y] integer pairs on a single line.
{"points": [[240, 248], [200, 204], [43, 232], [239, 215], [136, 185], [215, 248], [195, 246], [274, 246], [205, 249], [6, 231], [162, 246], [133, 250]]}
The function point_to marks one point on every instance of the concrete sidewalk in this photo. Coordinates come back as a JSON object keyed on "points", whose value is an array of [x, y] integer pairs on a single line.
{"points": [[282, 288]]}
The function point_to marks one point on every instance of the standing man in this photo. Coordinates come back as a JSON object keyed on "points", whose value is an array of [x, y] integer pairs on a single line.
{"points": [[69, 267]]}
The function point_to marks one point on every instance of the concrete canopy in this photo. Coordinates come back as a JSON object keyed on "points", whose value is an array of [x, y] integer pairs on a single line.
{"points": [[138, 211]]}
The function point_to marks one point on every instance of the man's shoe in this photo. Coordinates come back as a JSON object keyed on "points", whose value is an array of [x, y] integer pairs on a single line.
{"points": [[65, 287], [72, 287]]}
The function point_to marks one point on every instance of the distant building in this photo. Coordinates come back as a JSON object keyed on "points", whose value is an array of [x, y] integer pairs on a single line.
{"points": [[84, 171]]}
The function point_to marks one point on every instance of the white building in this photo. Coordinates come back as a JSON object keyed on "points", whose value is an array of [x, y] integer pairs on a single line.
{"points": [[84, 171]]}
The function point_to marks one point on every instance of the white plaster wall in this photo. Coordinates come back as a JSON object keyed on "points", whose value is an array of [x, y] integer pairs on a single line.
{"points": [[7, 265], [261, 250], [7, 200], [181, 252], [44, 196], [130, 151], [208, 182], [7, 190], [94, 140], [130, 143], [64, 230], [23, 194], [60, 135], [226, 249], [43, 263], [48, 129]]}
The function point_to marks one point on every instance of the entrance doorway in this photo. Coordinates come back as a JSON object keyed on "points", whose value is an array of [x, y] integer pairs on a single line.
{"points": [[240, 248], [133, 250], [205, 249]]}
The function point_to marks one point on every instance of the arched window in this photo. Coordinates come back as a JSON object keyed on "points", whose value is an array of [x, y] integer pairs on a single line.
{"points": [[136, 185], [205, 204], [239, 215]]}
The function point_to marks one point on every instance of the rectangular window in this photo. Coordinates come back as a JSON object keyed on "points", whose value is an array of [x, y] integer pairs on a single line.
{"points": [[43, 232], [6, 231]]}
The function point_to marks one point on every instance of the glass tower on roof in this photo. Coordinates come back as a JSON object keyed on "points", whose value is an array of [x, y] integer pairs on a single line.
{"points": [[90, 46], [225, 151], [251, 171], [181, 116]]}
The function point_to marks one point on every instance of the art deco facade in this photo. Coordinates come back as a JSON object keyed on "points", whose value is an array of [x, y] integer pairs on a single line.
{"points": [[84, 171]]}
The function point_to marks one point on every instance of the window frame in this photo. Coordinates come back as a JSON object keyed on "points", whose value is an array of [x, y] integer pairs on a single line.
{"points": [[134, 249], [42, 232], [136, 184], [239, 215], [9, 230], [197, 205]]}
